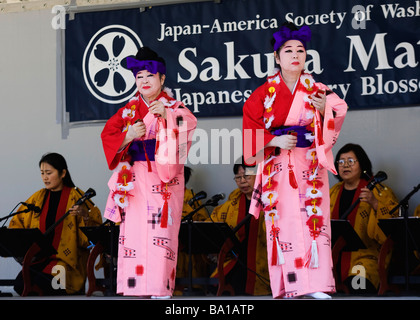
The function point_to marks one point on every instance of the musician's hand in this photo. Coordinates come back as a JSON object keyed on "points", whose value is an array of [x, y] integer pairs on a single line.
{"points": [[79, 211], [211, 258], [367, 196]]}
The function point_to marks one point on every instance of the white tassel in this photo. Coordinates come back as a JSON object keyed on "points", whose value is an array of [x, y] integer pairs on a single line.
{"points": [[314, 255], [280, 257]]}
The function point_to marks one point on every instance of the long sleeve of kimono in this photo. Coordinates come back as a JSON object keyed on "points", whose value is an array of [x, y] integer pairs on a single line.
{"points": [[335, 112], [112, 138], [173, 141], [255, 135]]}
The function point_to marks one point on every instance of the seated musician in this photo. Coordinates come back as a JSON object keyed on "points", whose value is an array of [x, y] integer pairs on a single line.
{"points": [[354, 171], [416, 252], [199, 263], [247, 273], [189, 205], [417, 211], [57, 198]]}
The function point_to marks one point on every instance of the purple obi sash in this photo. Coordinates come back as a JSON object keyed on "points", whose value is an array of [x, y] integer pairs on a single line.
{"points": [[302, 134], [137, 148]]}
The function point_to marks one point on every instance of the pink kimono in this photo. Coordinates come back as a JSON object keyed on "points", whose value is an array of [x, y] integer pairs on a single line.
{"points": [[292, 186], [146, 194]]}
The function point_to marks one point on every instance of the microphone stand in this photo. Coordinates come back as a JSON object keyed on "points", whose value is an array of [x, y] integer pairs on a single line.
{"points": [[189, 216], [5, 218], [189, 219], [14, 213], [403, 204], [350, 209], [111, 290]]}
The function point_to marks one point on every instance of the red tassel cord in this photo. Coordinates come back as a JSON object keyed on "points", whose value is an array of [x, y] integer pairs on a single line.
{"points": [[149, 165], [166, 195], [277, 257], [317, 126], [164, 217], [292, 178], [274, 253], [319, 134]]}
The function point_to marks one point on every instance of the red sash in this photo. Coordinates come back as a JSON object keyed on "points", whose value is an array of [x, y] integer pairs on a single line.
{"points": [[61, 210], [346, 256]]}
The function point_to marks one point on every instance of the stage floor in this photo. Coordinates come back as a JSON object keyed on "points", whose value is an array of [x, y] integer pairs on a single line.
{"points": [[99, 296], [212, 307]]}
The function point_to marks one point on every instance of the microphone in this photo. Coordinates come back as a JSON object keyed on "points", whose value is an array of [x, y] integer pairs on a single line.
{"points": [[198, 196], [377, 179], [88, 194], [32, 207], [215, 199]]}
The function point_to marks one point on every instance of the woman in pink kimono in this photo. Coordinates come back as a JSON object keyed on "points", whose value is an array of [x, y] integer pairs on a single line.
{"points": [[146, 143], [290, 124]]}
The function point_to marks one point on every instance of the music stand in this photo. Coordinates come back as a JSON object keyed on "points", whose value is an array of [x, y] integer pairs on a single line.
{"points": [[16, 242], [207, 237], [403, 207], [201, 237], [343, 228], [401, 230], [344, 239], [107, 235], [105, 239]]}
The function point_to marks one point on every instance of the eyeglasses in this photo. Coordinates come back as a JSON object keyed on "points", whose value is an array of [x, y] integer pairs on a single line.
{"points": [[350, 162], [239, 178]]}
